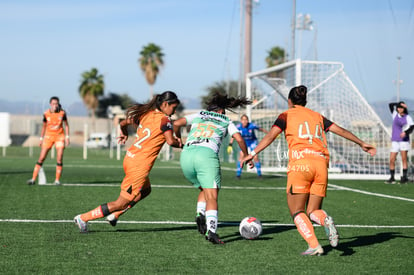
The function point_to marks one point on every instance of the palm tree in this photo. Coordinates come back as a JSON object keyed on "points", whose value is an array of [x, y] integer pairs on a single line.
{"points": [[276, 56], [150, 62], [91, 87]]}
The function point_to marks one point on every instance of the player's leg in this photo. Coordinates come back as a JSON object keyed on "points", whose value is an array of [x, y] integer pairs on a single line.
{"points": [[201, 213], [209, 176], [43, 154], [189, 170], [114, 217], [60, 147], [404, 158], [211, 196], [258, 166], [317, 193], [298, 192], [239, 169], [296, 204], [393, 156]]}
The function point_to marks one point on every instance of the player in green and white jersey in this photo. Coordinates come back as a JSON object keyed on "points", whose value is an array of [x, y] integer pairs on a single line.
{"points": [[200, 161]]}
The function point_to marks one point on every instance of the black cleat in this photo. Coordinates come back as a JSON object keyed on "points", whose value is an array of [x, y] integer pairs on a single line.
{"points": [[31, 182], [390, 181], [403, 180], [201, 223], [213, 237]]}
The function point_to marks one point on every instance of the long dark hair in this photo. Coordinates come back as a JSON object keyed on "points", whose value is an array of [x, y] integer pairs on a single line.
{"points": [[298, 95], [222, 102], [136, 111]]}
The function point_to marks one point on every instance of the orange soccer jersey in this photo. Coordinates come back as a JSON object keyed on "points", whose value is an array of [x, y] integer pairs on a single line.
{"points": [[143, 152], [54, 129], [308, 151]]}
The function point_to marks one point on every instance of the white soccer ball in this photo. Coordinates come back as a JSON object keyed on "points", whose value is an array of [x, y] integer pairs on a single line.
{"points": [[250, 228]]}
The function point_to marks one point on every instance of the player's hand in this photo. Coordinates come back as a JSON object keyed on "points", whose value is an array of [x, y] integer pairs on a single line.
{"points": [[370, 149], [248, 160], [122, 139], [229, 149]]}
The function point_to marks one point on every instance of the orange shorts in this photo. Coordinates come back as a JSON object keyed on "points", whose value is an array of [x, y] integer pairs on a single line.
{"points": [[135, 178], [58, 140], [309, 176]]}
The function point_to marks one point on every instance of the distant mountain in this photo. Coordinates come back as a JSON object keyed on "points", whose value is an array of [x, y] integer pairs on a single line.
{"points": [[74, 109], [383, 111], [37, 108], [79, 109]]}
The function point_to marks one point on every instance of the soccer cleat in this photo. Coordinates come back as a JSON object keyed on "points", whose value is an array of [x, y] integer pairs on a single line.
{"points": [[57, 182], [31, 182], [390, 181], [317, 251], [213, 237], [238, 177], [331, 231], [83, 226], [403, 180], [111, 219], [201, 223]]}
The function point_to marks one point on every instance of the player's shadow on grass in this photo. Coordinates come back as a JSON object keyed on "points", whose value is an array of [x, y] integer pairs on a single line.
{"points": [[267, 230], [348, 246]]}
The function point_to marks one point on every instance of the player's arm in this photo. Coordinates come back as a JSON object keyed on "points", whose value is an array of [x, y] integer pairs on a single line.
{"points": [[171, 140], [242, 144], [123, 136], [66, 123], [266, 141], [350, 136], [263, 130], [181, 122], [167, 127], [43, 131], [392, 106]]}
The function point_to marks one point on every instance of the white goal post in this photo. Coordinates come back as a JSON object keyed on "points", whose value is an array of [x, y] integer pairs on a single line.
{"points": [[331, 93]]}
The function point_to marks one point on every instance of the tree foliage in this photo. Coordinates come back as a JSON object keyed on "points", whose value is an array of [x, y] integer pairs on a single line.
{"points": [[92, 86], [151, 60], [231, 88]]}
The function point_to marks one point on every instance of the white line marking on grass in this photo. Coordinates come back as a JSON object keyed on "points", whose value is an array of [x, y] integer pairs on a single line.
{"points": [[173, 186], [370, 193], [193, 223]]}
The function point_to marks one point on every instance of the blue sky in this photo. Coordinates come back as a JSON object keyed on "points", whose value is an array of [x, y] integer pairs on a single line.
{"points": [[46, 45]]}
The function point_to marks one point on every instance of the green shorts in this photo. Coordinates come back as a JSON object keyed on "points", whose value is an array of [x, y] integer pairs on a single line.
{"points": [[201, 167]]}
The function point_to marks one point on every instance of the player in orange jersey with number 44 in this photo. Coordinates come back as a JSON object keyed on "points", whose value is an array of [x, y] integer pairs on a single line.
{"points": [[307, 171]]}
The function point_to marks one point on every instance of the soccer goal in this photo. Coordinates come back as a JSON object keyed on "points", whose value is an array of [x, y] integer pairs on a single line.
{"points": [[332, 93]]}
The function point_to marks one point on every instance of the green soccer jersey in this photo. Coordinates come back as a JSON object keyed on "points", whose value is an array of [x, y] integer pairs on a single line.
{"points": [[208, 130]]}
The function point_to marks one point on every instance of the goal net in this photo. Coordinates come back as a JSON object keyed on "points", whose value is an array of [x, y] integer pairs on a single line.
{"points": [[331, 93]]}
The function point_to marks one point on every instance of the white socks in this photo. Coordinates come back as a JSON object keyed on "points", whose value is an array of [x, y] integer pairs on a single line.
{"points": [[212, 220]]}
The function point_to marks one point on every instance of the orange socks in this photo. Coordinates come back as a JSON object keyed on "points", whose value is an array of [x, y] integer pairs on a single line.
{"points": [[58, 171], [93, 214], [305, 228], [36, 171], [318, 216]]}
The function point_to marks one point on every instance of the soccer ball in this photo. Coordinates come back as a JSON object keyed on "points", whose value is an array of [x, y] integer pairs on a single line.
{"points": [[250, 228]]}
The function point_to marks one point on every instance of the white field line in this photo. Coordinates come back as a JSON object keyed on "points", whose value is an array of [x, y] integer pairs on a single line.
{"points": [[193, 223], [370, 193]]}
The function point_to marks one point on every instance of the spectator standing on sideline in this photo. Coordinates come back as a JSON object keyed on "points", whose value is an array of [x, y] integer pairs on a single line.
{"points": [[52, 133], [402, 126]]}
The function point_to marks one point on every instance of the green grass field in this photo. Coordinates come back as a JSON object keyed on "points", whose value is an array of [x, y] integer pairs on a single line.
{"points": [[38, 236]]}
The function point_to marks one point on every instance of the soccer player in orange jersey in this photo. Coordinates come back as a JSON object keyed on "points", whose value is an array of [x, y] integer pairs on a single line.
{"points": [[154, 128], [52, 133], [307, 171]]}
